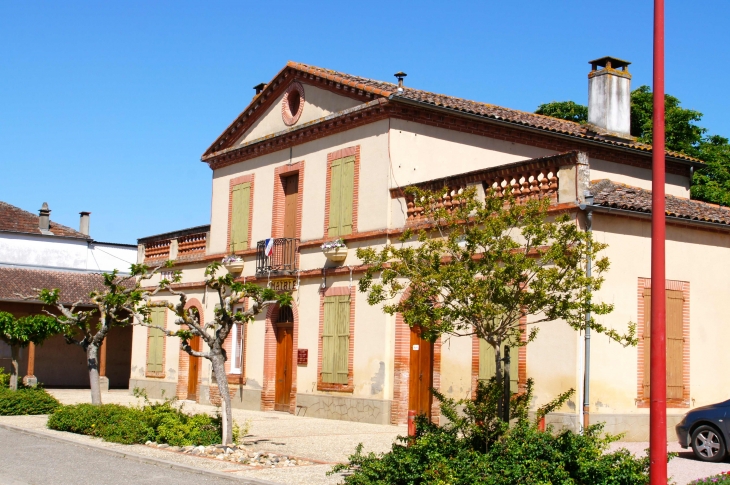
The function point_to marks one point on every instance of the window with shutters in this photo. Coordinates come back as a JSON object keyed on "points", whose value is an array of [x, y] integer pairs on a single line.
{"points": [[336, 330], [677, 341], [156, 344], [240, 213], [342, 194], [487, 364]]}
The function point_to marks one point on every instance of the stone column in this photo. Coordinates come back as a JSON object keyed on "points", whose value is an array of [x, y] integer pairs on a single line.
{"points": [[30, 379], [103, 379]]}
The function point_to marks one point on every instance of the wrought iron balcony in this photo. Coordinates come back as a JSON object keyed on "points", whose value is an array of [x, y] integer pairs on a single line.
{"points": [[282, 259]]}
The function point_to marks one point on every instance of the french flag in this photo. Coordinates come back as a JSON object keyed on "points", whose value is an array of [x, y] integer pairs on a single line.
{"points": [[269, 248]]}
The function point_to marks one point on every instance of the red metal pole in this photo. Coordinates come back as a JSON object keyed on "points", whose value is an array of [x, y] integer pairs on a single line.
{"points": [[658, 373]]}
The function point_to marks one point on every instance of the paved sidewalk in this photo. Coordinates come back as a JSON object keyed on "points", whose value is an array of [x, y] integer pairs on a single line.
{"points": [[324, 441]]}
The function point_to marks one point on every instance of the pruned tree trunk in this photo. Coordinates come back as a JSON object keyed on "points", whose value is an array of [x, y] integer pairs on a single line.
{"points": [[14, 370], [218, 361], [92, 360]]}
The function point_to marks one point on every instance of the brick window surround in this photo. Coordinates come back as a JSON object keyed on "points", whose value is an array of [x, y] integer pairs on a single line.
{"points": [[331, 386], [269, 385], [331, 157], [277, 216], [184, 357], [231, 184], [521, 360], [164, 350], [682, 286], [402, 368]]}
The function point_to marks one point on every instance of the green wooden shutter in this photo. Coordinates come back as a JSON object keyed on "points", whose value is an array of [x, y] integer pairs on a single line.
{"points": [[239, 218], [347, 195], [342, 352], [156, 340], [329, 338], [487, 366], [333, 228]]}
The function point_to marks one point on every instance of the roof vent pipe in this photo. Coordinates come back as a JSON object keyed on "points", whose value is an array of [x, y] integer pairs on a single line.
{"points": [[44, 219], [400, 75], [84, 223]]}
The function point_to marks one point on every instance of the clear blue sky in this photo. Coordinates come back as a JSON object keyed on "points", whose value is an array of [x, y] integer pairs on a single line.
{"points": [[107, 106]]}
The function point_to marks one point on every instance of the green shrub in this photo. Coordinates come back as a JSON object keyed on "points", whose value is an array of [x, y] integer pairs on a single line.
{"points": [[721, 479], [163, 423], [478, 448], [26, 400]]}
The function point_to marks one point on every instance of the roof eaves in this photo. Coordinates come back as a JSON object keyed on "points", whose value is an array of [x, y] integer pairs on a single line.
{"points": [[675, 157]]}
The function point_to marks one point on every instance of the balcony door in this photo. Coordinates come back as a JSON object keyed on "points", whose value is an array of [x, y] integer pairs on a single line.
{"points": [[291, 200]]}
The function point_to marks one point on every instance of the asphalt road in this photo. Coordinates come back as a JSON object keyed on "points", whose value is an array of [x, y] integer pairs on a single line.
{"points": [[28, 459]]}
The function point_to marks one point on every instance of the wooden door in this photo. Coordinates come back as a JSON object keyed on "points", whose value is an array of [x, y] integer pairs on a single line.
{"points": [[421, 374], [283, 368], [193, 370], [291, 200]]}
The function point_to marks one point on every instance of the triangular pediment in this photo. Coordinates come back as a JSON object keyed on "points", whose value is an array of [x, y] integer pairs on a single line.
{"points": [[312, 92]]}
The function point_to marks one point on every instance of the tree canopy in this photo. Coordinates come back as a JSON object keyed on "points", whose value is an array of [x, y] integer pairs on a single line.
{"points": [[479, 266], [683, 134]]}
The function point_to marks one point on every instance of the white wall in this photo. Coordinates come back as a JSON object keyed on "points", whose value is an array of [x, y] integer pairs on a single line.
{"points": [[63, 253]]}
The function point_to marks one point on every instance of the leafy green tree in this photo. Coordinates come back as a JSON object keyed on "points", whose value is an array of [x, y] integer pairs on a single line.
{"points": [[21, 332], [214, 333], [115, 305], [477, 267], [712, 183], [566, 110]]}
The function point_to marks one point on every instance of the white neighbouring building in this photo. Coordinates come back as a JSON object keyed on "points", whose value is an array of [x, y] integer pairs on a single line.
{"points": [[35, 253]]}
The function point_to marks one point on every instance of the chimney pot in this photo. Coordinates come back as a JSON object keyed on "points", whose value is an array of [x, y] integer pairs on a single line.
{"points": [[84, 223], [400, 75], [44, 219], [259, 88], [609, 97]]}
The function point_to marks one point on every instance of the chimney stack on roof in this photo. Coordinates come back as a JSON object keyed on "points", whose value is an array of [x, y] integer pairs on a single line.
{"points": [[44, 219], [400, 75], [259, 88], [609, 97], [84, 223]]}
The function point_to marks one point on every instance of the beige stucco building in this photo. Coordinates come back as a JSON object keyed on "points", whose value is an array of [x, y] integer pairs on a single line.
{"points": [[320, 155]]}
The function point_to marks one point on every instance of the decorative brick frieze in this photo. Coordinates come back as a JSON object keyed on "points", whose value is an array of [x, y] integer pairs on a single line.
{"points": [[331, 386]]}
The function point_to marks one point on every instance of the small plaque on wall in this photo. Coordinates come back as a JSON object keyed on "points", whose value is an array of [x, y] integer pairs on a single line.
{"points": [[302, 356], [283, 285]]}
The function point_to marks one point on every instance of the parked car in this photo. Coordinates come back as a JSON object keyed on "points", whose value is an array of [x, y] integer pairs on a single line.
{"points": [[706, 429]]}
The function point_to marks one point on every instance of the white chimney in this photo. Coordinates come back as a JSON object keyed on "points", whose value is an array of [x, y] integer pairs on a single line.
{"points": [[84, 223], [609, 97]]}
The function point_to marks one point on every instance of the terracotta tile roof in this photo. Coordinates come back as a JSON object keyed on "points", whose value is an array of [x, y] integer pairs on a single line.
{"points": [[16, 219], [613, 194], [74, 286], [533, 120]]}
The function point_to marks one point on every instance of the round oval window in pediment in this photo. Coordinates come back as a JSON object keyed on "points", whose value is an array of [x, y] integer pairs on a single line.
{"points": [[292, 104]]}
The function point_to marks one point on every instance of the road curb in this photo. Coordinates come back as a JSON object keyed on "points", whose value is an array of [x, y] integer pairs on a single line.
{"points": [[141, 459]]}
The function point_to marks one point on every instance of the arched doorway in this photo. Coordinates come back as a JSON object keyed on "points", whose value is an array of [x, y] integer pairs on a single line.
{"points": [[188, 384], [284, 348]]}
